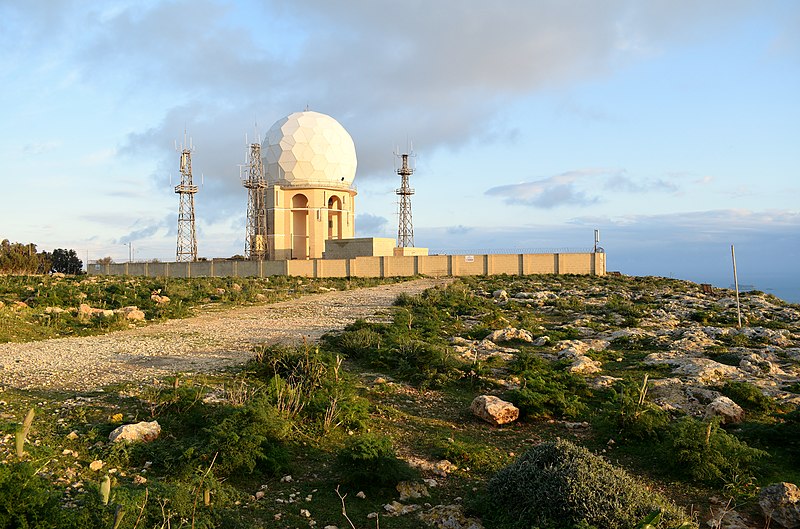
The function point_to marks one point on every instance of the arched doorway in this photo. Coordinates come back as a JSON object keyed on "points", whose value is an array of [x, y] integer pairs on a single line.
{"points": [[334, 218], [299, 226]]}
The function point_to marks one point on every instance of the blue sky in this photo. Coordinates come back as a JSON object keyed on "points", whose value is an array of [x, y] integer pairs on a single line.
{"points": [[672, 126]]}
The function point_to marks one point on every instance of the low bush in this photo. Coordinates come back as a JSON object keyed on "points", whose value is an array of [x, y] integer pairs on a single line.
{"points": [[477, 456], [26, 499], [561, 485], [748, 396], [702, 451], [249, 438], [369, 459], [546, 391], [629, 416]]}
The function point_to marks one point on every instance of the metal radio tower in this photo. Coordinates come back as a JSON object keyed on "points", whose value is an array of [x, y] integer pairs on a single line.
{"points": [[405, 228], [255, 245], [187, 236]]}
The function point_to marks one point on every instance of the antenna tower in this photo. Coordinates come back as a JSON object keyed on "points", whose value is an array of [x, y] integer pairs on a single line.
{"points": [[255, 244], [405, 228], [187, 235]]}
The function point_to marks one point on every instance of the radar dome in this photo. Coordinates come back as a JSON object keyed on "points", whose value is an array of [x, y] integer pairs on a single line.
{"points": [[309, 149]]}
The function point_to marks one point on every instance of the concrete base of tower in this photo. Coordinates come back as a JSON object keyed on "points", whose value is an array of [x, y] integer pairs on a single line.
{"points": [[359, 247], [410, 250]]}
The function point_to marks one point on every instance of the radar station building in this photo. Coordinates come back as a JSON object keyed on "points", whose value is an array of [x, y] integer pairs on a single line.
{"points": [[310, 161]]}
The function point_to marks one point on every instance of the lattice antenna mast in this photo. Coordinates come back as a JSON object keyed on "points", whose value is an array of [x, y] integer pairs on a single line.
{"points": [[187, 234], [405, 227], [253, 179]]}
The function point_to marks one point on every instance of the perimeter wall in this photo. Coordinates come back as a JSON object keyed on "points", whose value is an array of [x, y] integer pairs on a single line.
{"points": [[387, 266]]}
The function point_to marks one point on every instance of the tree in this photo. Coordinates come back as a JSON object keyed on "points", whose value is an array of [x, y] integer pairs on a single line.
{"points": [[66, 262], [105, 260], [18, 258]]}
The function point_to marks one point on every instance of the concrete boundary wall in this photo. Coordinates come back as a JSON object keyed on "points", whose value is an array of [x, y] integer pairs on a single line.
{"points": [[386, 266]]}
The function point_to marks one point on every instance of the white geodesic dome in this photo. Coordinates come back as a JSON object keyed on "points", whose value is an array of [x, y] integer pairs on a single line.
{"points": [[309, 148]]}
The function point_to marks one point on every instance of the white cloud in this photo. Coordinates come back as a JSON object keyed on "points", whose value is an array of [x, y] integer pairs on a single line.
{"points": [[581, 187]]}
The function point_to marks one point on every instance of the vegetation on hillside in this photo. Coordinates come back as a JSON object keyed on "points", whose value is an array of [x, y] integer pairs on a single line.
{"points": [[387, 401], [47, 306]]}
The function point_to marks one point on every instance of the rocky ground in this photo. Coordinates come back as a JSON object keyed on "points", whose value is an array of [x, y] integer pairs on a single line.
{"points": [[695, 335], [211, 341], [687, 340]]}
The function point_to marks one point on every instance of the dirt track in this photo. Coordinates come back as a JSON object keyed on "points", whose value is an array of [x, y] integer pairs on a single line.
{"points": [[208, 342]]}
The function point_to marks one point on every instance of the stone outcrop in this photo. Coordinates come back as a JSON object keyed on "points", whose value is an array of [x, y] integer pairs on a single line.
{"points": [[726, 409], [131, 313], [140, 432], [780, 502], [510, 333], [412, 490], [576, 350], [448, 517], [702, 370], [494, 410], [158, 298], [500, 295]]}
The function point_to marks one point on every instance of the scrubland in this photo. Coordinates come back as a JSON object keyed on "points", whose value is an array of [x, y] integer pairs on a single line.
{"points": [[618, 381]]}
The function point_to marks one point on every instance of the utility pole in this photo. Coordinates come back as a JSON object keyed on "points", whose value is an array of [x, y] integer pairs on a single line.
{"points": [[736, 284]]}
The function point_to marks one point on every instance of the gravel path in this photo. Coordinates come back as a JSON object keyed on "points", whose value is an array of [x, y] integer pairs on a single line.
{"points": [[209, 342]]}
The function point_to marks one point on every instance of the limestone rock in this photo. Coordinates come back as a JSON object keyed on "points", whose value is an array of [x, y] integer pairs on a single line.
{"points": [[725, 408], [443, 467], [604, 381], [693, 339], [158, 298], [448, 517], [775, 337], [398, 509], [755, 364], [583, 365], [500, 295], [411, 490], [780, 502], [573, 348], [135, 315], [142, 431], [510, 333], [704, 370], [727, 519], [131, 313], [494, 410]]}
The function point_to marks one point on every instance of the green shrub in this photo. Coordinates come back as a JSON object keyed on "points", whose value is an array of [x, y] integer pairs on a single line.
{"points": [[359, 342], [369, 459], [26, 499], [748, 396], [476, 456], [630, 416], [702, 451], [558, 484], [250, 438], [546, 391]]}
